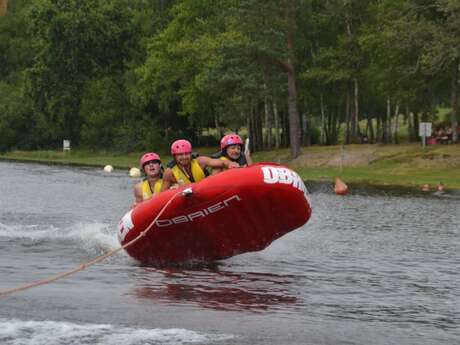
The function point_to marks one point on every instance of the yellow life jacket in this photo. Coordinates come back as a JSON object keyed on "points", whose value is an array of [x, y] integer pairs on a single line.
{"points": [[147, 192], [197, 173]]}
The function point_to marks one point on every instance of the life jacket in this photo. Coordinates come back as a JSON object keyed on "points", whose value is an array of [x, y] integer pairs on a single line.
{"points": [[198, 173], [147, 191], [241, 159]]}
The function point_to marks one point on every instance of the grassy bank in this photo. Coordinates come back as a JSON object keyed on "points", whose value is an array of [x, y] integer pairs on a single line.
{"points": [[399, 165]]}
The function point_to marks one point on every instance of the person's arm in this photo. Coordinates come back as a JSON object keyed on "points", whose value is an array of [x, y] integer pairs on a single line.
{"points": [[168, 180], [216, 163], [138, 194]]}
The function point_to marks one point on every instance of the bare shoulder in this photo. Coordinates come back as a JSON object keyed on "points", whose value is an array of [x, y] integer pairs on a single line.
{"points": [[138, 186], [138, 191]]}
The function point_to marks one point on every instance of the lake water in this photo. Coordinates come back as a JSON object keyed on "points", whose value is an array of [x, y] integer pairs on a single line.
{"points": [[374, 267]]}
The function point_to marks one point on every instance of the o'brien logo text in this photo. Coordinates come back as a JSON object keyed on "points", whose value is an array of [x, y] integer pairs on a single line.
{"points": [[161, 223], [285, 176]]}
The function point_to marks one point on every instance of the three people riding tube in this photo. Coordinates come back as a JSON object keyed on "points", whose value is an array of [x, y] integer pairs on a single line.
{"points": [[186, 167]]}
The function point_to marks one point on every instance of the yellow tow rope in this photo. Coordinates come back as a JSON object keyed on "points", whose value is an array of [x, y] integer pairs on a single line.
{"points": [[87, 264]]}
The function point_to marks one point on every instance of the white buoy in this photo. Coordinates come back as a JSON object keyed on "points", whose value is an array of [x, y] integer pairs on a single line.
{"points": [[108, 168], [134, 172]]}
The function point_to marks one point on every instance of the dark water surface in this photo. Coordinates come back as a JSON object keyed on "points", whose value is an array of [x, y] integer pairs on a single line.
{"points": [[369, 268]]}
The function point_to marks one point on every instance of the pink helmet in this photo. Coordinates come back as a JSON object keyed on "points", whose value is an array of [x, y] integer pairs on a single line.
{"points": [[230, 139], [147, 157], [181, 146]]}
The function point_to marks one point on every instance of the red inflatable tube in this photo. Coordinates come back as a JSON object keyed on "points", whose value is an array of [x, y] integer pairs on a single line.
{"points": [[237, 211]]}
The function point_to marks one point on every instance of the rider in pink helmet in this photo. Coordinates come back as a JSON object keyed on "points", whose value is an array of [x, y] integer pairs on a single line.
{"points": [[150, 164], [230, 139], [231, 148], [185, 168], [181, 146], [147, 157]]}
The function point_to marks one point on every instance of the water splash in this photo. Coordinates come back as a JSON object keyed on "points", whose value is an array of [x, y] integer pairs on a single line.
{"points": [[18, 332], [91, 237]]}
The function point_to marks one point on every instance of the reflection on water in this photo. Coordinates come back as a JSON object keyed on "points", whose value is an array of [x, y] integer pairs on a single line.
{"points": [[216, 289]]}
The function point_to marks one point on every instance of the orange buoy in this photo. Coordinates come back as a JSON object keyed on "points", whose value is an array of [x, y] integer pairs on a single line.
{"points": [[426, 188], [340, 187]]}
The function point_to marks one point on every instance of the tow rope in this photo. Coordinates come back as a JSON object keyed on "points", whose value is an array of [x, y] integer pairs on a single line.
{"points": [[87, 264]]}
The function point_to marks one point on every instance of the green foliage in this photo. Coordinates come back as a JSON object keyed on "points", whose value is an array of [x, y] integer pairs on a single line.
{"points": [[102, 108], [76, 40], [13, 117], [136, 137], [131, 75], [315, 134]]}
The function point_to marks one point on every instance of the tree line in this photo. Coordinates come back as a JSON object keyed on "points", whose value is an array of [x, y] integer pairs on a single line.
{"points": [[133, 74]]}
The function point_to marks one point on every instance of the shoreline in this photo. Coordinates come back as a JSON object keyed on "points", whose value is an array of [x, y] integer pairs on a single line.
{"points": [[385, 166]]}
